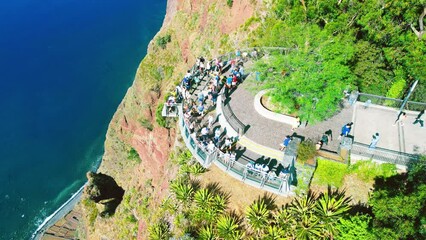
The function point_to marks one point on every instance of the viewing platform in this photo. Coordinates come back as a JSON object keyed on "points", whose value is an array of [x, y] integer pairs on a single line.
{"points": [[257, 134]]}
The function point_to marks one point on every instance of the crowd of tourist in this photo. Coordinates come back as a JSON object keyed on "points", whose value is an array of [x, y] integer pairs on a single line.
{"points": [[198, 91]]}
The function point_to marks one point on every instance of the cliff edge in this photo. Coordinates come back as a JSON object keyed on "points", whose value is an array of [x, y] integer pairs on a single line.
{"points": [[137, 148]]}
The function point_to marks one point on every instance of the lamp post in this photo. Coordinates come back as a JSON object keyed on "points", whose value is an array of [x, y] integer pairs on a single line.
{"points": [[408, 96]]}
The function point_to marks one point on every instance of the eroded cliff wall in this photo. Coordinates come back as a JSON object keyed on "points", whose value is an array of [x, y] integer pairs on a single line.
{"points": [[197, 28]]}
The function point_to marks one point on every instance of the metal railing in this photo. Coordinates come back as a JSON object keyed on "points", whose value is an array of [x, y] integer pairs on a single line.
{"points": [[266, 180], [390, 102], [269, 182], [382, 154], [230, 117]]}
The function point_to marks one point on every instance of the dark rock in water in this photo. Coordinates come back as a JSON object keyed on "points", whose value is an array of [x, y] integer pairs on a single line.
{"points": [[103, 189]]}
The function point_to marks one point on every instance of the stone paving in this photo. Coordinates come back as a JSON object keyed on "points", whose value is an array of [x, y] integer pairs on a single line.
{"points": [[408, 138], [271, 133]]}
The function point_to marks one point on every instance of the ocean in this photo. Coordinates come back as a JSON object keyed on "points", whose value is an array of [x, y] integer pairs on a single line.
{"points": [[65, 65]]}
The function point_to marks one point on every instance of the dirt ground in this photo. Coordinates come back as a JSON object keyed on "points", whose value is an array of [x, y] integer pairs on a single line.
{"points": [[355, 188], [241, 194]]}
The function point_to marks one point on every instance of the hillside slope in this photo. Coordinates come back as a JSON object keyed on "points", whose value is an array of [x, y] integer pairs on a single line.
{"points": [[196, 28]]}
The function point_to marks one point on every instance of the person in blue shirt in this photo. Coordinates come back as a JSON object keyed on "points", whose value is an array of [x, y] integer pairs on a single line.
{"points": [[346, 129], [285, 143]]}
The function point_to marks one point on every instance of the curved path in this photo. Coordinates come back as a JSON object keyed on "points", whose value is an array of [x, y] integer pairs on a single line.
{"points": [[270, 133]]}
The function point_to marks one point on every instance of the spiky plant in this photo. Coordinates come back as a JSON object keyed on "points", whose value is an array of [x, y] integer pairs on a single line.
{"points": [[196, 169], [203, 198], [219, 203], [330, 207], [307, 224], [159, 231], [274, 233], [258, 217], [206, 233], [182, 190], [227, 227]]}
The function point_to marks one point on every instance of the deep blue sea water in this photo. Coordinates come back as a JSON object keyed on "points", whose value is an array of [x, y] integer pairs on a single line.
{"points": [[65, 65]]}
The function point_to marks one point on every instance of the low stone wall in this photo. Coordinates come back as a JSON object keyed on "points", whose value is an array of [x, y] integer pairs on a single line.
{"points": [[269, 114]]}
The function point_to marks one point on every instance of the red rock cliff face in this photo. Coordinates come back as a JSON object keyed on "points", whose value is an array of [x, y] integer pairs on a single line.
{"points": [[197, 27]]}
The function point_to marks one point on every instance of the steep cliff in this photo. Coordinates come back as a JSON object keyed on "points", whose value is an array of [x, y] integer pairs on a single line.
{"points": [[137, 149]]}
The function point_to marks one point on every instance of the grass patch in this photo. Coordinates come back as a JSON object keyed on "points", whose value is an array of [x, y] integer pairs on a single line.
{"points": [[329, 173], [368, 170]]}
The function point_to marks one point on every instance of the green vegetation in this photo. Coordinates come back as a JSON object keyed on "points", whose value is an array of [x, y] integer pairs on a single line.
{"points": [[306, 151], [399, 204], [355, 227], [329, 173], [133, 155], [229, 3], [369, 170], [366, 45], [203, 214], [93, 211], [159, 117], [332, 173], [146, 124], [162, 41]]}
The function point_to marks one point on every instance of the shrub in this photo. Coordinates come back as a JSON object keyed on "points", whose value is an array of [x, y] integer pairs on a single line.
{"points": [[146, 124], [162, 41], [92, 210], [133, 155], [159, 117], [229, 3], [369, 170], [329, 173], [305, 151]]}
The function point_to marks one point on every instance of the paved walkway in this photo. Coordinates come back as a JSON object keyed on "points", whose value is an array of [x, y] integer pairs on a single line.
{"points": [[262, 131], [407, 138], [270, 133]]}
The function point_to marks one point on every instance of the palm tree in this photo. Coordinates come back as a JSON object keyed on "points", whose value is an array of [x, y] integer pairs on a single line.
{"points": [[159, 231], [330, 207], [228, 227], [258, 216]]}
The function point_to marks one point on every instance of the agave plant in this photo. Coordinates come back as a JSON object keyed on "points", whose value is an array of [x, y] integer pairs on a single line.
{"points": [[203, 198], [196, 169], [227, 227], [304, 205], [284, 220], [330, 207], [183, 191], [258, 216], [274, 233], [306, 223], [206, 233], [219, 203], [308, 227], [159, 231]]}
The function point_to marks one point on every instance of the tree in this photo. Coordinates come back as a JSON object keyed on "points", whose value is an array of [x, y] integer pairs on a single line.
{"points": [[399, 204], [354, 228]]}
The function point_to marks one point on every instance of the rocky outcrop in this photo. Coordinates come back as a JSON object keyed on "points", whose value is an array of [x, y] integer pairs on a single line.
{"points": [[103, 189]]}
